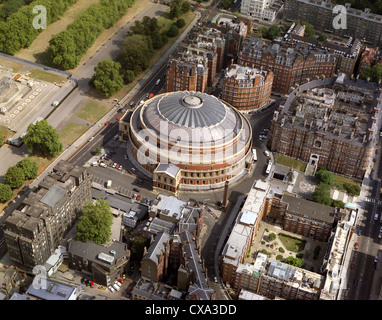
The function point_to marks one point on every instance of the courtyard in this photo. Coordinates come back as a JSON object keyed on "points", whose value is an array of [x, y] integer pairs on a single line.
{"points": [[279, 245]]}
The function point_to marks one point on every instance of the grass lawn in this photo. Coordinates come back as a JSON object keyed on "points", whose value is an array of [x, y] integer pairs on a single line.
{"points": [[345, 180], [4, 131], [46, 76], [72, 132], [93, 111], [291, 243], [289, 162]]}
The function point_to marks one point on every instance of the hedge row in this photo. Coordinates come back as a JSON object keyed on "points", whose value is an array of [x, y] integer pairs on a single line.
{"points": [[67, 47], [17, 31]]}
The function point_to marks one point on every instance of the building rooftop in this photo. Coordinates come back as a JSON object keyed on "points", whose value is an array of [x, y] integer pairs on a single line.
{"points": [[53, 196], [52, 290], [309, 209]]}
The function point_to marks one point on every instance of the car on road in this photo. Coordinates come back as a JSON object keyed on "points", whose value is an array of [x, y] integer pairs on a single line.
{"points": [[132, 103], [103, 165], [158, 81], [359, 232], [111, 289], [151, 95], [352, 265], [107, 122], [380, 235], [91, 139], [215, 280], [376, 259], [266, 130], [119, 117], [136, 189], [380, 229], [125, 156], [355, 282], [139, 197], [356, 245], [266, 152]]}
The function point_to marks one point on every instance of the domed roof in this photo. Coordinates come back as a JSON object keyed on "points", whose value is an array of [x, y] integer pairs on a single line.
{"points": [[191, 109], [192, 118]]}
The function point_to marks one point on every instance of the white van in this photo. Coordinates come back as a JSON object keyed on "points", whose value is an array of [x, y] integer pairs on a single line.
{"points": [[108, 185]]}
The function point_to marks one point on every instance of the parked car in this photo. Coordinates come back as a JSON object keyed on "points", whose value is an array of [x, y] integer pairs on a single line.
{"points": [[111, 289], [266, 152], [107, 122], [120, 168], [91, 139], [103, 165], [215, 280], [117, 166], [136, 189], [120, 280], [356, 246], [139, 197]]}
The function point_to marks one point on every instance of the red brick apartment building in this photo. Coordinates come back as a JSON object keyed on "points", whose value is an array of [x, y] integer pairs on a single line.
{"points": [[332, 123], [247, 88], [292, 64], [188, 72]]}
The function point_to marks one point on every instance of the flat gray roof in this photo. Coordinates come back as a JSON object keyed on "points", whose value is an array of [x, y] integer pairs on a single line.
{"points": [[309, 208], [54, 195]]}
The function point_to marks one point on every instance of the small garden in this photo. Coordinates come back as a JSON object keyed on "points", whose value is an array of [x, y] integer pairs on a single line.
{"points": [[288, 249]]}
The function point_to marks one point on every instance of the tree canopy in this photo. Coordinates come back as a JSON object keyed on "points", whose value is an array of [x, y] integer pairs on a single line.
{"points": [[107, 77], [95, 222], [43, 139], [14, 177], [5, 192], [29, 167]]}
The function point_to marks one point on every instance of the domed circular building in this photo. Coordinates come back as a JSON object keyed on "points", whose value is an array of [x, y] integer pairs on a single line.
{"points": [[190, 141]]}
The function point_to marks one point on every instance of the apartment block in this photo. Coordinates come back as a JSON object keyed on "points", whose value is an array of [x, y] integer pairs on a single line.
{"points": [[38, 226], [359, 24], [188, 72], [247, 88], [261, 9], [292, 64], [332, 123], [346, 54]]}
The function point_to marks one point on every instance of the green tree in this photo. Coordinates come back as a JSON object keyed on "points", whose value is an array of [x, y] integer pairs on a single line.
{"points": [[324, 176], [173, 31], [296, 262], [226, 4], [1, 140], [14, 177], [43, 139], [175, 9], [322, 37], [128, 76], [29, 167], [373, 73], [185, 7], [180, 23], [309, 30], [136, 53], [107, 78], [5, 192], [62, 50], [95, 222], [273, 32], [322, 194]]}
